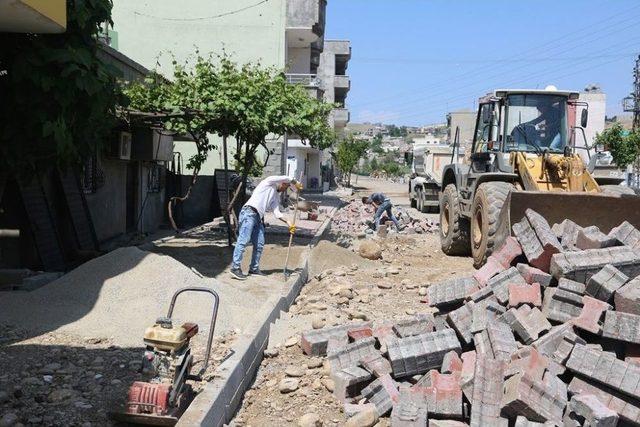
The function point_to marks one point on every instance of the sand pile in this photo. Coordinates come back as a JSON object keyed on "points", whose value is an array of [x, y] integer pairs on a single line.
{"points": [[120, 294]]}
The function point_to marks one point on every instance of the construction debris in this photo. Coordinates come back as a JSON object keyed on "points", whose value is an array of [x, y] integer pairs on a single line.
{"points": [[497, 359]]}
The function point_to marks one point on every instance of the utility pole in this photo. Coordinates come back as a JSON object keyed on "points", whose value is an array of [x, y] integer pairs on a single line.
{"points": [[632, 104]]}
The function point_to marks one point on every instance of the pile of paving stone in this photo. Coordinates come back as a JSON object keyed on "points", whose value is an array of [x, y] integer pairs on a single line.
{"points": [[547, 332], [356, 218]]}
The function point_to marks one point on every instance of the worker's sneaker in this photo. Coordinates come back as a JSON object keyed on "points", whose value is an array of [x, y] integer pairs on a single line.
{"points": [[237, 273], [257, 272]]}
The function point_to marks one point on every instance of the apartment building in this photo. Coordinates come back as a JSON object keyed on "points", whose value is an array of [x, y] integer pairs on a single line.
{"points": [[287, 34], [334, 83]]}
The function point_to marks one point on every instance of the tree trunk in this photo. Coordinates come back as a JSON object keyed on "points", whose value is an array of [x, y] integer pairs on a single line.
{"points": [[177, 199]]}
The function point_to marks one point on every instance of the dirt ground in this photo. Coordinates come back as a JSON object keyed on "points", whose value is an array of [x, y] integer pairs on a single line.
{"points": [[345, 288]]}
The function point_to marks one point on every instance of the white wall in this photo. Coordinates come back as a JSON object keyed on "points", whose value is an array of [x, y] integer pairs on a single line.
{"points": [[597, 111], [299, 60]]}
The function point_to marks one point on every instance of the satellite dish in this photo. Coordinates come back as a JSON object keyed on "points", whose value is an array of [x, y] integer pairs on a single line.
{"points": [[551, 87]]}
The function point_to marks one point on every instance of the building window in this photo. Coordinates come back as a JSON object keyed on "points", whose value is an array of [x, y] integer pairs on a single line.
{"points": [[155, 178], [92, 177]]}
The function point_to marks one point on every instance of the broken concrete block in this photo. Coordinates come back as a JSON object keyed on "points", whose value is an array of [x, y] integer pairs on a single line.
{"points": [[376, 364], [351, 354], [442, 393], [528, 361], [349, 382], [534, 275], [628, 409], [409, 411], [451, 363], [561, 306], [383, 393], [558, 343], [483, 294], [352, 409], [460, 320], [567, 233], [441, 322], [447, 423], [417, 325], [491, 268], [314, 342], [500, 340], [627, 298], [537, 401], [484, 312], [451, 291], [604, 283], [524, 294], [621, 326], [594, 412], [523, 422], [468, 372], [593, 238], [487, 393], [528, 323], [359, 333], [572, 286], [418, 354], [603, 367], [591, 314], [500, 283], [508, 252], [626, 234], [538, 242], [580, 266]]}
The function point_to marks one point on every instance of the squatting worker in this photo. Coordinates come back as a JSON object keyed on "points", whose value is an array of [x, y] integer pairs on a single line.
{"points": [[265, 198], [382, 204]]}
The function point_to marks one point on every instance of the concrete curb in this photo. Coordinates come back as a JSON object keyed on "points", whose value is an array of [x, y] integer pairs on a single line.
{"points": [[219, 401]]}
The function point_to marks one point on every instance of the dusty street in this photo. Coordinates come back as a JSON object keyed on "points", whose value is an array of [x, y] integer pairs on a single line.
{"points": [[344, 287]]}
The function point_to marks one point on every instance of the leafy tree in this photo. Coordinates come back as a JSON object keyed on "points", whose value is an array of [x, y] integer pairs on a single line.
{"points": [[376, 144], [348, 154], [58, 98], [624, 148], [248, 102]]}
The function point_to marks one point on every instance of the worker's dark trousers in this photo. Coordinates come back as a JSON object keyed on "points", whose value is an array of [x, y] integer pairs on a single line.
{"points": [[251, 230]]}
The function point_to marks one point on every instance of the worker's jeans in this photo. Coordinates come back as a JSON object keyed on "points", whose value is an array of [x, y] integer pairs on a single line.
{"points": [[251, 230], [385, 206]]}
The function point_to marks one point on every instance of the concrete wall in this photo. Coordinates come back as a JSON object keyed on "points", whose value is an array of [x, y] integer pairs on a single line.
{"points": [[152, 206], [108, 205], [299, 60]]}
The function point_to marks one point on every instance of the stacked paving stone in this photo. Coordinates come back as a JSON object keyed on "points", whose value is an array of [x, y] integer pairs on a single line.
{"points": [[547, 332]]}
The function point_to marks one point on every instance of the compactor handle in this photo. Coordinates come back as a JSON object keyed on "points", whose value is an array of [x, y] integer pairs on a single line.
{"points": [[214, 316]]}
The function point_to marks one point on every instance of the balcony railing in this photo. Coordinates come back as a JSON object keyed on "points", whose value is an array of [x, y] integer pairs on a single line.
{"points": [[309, 80]]}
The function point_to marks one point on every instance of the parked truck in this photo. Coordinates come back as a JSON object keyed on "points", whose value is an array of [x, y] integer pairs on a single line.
{"points": [[426, 175]]}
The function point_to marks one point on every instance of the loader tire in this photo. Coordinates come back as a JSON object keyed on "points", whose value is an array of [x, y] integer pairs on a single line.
{"points": [[454, 229], [485, 213], [617, 190]]}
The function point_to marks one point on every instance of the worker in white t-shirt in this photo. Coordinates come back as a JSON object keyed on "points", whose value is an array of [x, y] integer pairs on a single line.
{"points": [[265, 198]]}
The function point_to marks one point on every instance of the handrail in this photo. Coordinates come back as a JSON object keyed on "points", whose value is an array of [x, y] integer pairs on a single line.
{"points": [[303, 79]]}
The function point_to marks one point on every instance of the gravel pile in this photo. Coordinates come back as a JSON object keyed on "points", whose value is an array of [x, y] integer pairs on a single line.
{"points": [[547, 331]]}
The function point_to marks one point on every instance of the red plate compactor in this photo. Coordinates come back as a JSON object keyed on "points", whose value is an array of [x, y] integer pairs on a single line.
{"points": [[166, 367]]}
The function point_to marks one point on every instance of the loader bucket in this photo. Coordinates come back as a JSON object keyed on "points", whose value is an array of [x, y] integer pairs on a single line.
{"points": [[585, 209]]}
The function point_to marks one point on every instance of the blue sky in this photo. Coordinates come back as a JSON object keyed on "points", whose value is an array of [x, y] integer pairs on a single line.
{"points": [[414, 60]]}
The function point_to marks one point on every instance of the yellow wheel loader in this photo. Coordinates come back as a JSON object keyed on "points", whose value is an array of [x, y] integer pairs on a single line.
{"points": [[524, 155]]}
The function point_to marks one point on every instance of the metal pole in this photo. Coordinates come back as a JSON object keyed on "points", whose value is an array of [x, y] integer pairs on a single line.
{"points": [[226, 184]]}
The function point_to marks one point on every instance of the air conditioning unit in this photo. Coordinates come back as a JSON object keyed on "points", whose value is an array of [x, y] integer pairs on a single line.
{"points": [[124, 146]]}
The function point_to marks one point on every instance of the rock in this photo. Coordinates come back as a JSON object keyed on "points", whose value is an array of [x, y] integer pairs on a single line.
{"points": [[357, 315], [288, 385], [393, 270], [291, 342], [60, 395], [385, 285], [370, 250], [310, 420], [8, 420], [47, 378], [4, 396], [422, 292], [314, 363], [346, 293], [328, 384], [294, 371], [367, 418], [317, 323], [271, 352]]}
